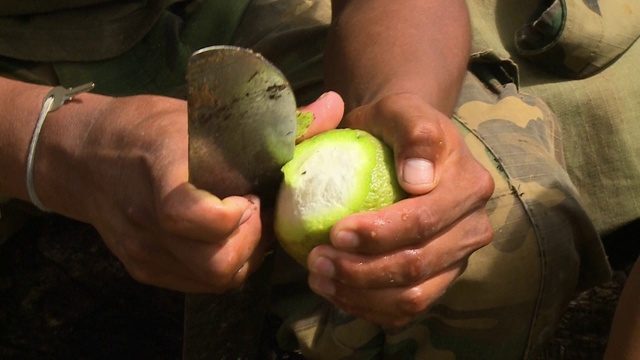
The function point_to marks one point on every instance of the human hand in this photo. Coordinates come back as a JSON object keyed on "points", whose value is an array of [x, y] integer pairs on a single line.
{"points": [[121, 164], [388, 266]]}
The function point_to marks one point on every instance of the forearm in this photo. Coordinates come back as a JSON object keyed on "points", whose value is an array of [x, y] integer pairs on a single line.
{"points": [[378, 48]]}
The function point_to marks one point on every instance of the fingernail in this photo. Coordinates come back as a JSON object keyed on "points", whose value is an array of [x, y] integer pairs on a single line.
{"points": [[255, 203], [417, 171], [246, 215], [346, 240], [332, 99], [324, 267], [324, 286]]}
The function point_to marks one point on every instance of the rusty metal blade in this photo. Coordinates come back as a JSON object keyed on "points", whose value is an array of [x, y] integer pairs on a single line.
{"points": [[242, 122]]}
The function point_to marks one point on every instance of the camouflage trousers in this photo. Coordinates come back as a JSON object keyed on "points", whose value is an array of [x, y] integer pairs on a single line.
{"points": [[508, 301]]}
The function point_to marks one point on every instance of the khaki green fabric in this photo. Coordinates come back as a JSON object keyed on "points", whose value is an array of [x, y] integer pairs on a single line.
{"points": [[598, 114], [291, 34], [34, 7], [545, 247], [55, 30]]}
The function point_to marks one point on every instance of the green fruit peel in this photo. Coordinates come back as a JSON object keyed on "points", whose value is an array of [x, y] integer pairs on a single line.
{"points": [[332, 175], [303, 121]]}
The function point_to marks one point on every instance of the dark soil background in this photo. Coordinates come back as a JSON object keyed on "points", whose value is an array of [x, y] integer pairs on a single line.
{"points": [[63, 296]]}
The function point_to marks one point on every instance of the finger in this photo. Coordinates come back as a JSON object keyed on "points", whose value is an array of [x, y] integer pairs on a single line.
{"points": [[153, 275], [389, 307], [221, 264], [149, 263], [194, 245], [414, 220], [253, 263], [326, 112], [262, 250], [406, 266], [166, 271], [414, 131], [199, 215]]}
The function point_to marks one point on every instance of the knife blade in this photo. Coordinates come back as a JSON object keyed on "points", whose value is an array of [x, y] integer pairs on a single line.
{"points": [[242, 118], [242, 128]]}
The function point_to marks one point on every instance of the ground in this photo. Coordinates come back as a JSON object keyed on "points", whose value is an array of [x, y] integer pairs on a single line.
{"points": [[63, 296]]}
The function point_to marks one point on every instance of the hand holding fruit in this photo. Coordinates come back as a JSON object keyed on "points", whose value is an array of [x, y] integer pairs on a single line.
{"points": [[332, 175], [389, 265]]}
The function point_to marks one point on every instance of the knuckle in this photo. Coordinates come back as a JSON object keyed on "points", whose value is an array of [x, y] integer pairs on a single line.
{"points": [[236, 282], [485, 233], [170, 217], [426, 131], [374, 235], [137, 252], [222, 272], [398, 103], [485, 184], [399, 322], [141, 274], [415, 267], [219, 274], [425, 222], [478, 182], [387, 106], [413, 302], [479, 232]]}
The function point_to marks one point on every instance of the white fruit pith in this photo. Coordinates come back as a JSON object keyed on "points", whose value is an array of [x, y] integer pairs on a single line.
{"points": [[327, 185], [331, 176]]}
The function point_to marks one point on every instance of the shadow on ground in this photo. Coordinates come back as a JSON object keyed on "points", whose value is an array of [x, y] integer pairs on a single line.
{"points": [[64, 296]]}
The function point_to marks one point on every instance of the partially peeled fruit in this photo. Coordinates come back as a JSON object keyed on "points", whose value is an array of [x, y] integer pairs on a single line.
{"points": [[332, 175]]}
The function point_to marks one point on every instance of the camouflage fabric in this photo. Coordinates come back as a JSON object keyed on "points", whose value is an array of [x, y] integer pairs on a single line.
{"points": [[597, 114], [507, 302], [545, 248], [579, 38]]}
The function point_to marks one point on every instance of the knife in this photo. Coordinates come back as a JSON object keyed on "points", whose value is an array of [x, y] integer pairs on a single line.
{"points": [[242, 128]]}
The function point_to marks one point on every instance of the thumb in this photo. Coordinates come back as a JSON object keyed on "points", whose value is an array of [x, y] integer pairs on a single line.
{"points": [[421, 150], [325, 114], [416, 175], [197, 214]]}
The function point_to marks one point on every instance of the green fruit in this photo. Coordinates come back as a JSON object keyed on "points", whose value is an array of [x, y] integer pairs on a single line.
{"points": [[332, 175]]}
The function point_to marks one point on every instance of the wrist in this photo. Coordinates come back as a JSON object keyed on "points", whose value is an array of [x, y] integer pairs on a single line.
{"points": [[56, 172], [21, 104], [54, 99], [95, 145]]}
